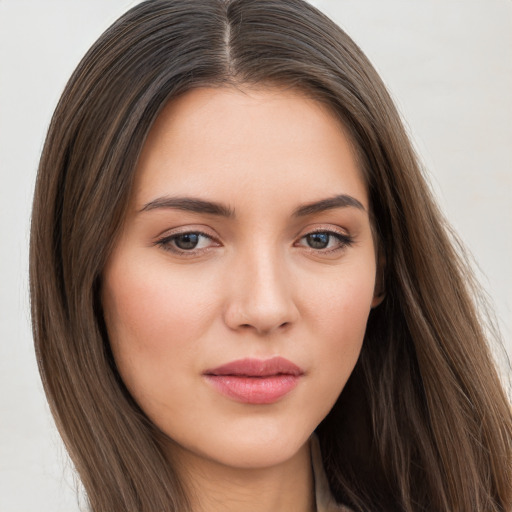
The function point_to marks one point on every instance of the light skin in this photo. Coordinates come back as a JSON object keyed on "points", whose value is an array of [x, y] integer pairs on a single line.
{"points": [[248, 236]]}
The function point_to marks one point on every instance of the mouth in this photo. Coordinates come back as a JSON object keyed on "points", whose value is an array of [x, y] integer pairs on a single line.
{"points": [[255, 381]]}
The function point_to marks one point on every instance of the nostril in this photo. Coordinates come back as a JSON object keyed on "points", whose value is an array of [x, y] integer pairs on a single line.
{"points": [[264, 330]]}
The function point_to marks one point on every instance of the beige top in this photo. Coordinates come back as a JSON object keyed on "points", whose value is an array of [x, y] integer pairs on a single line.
{"points": [[324, 499]]}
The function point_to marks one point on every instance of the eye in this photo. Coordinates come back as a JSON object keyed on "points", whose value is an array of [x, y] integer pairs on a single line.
{"points": [[190, 242], [326, 241]]}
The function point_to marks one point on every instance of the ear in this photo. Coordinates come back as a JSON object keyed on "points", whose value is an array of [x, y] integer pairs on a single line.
{"points": [[379, 292]]}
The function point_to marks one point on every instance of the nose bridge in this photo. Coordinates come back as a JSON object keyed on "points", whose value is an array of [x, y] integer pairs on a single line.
{"points": [[261, 291]]}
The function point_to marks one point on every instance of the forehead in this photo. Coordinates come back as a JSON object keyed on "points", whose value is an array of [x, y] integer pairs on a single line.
{"points": [[241, 144]]}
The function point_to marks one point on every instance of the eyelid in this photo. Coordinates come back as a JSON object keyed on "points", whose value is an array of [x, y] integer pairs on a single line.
{"points": [[323, 228], [187, 228]]}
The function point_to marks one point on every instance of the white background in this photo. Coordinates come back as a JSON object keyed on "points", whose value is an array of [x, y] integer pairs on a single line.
{"points": [[448, 64]]}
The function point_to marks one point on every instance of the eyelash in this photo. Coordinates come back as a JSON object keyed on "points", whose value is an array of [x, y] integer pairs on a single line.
{"points": [[344, 241], [167, 242]]}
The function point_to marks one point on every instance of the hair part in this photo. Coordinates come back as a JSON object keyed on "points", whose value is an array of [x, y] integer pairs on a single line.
{"points": [[423, 423]]}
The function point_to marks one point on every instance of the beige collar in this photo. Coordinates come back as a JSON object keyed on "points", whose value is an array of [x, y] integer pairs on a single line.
{"points": [[324, 499]]}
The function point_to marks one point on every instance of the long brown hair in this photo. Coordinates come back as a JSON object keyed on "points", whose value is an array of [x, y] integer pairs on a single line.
{"points": [[423, 423]]}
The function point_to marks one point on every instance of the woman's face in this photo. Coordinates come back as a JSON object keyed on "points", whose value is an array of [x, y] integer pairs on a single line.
{"points": [[237, 296]]}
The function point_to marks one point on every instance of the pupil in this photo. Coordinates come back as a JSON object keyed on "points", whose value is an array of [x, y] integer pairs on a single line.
{"points": [[318, 240], [187, 241]]}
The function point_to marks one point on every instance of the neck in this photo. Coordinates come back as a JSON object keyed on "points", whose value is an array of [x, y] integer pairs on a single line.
{"points": [[213, 487]]}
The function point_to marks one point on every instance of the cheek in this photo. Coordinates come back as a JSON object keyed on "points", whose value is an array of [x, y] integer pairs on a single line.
{"points": [[339, 314], [146, 303], [340, 301], [152, 321]]}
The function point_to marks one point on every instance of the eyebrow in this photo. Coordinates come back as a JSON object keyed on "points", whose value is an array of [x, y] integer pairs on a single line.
{"points": [[190, 204], [196, 205], [339, 201]]}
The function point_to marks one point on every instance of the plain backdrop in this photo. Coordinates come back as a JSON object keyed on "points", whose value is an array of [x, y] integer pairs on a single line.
{"points": [[447, 63]]}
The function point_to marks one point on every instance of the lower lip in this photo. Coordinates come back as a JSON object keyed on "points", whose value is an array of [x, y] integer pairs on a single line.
{"points": [[254, 390]]}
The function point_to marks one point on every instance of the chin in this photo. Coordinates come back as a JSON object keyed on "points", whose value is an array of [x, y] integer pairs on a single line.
{"points": [[255, 449]]}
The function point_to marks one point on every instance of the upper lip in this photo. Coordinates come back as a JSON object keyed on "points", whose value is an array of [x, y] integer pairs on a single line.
{"points": [[257, 368]]}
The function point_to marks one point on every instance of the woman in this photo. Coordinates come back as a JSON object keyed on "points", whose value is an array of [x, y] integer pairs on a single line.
{"points": [[240, 279]]}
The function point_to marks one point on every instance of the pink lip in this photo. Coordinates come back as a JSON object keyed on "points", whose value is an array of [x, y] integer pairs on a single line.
{"points": [[255, 381]]}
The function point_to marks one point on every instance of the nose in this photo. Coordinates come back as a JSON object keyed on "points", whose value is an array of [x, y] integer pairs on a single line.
{"points": [[260, 295]]}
